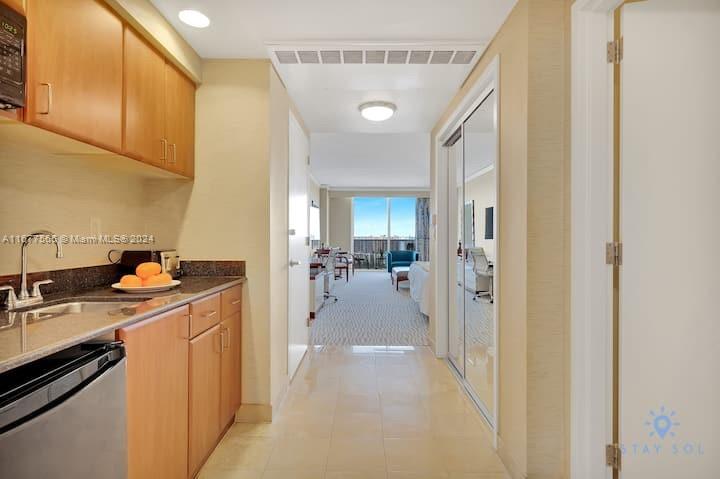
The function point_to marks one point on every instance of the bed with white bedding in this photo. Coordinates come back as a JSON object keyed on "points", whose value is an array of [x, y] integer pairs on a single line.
{"points": [[420, 287]]}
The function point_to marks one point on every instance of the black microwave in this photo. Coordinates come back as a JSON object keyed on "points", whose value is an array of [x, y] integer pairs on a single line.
{"points": [[12, 58]]}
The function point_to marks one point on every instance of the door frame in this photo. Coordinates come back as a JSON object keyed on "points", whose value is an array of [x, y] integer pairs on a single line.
{"points": [[489, 81], [591, 295]]}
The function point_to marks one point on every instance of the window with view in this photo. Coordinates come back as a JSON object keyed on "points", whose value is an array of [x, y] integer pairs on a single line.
{"points": [[382, 224]]}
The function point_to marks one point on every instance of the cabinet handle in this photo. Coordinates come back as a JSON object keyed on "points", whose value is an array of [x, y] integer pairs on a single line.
{"points": [[49, 99], [210, 314], [173, 150], [236, 302], [164, 144], [222, 340], [228, 338]]}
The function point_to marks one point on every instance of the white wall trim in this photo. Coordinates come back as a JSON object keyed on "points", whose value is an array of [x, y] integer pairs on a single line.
{"points": [[591, 227], [488, 81]]}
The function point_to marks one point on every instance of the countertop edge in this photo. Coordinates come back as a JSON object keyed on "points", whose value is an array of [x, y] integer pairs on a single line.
{"points": [[30, 356]]}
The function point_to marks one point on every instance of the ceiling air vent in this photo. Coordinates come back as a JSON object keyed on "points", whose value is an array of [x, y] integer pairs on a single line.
{"points": [[375, 56], [397, 57], [308, 56], [419, 57], [330, 56], [441, 57], [352, 56], [463, 57], [285, 57]]}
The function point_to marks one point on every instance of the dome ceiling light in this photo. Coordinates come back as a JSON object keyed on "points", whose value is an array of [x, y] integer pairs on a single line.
{"points": [[377, 110], [194, 18]]}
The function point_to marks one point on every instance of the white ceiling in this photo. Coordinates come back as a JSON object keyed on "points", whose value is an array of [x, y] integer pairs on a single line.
{"points": [[328, 95], [345, 153], [242, 28], [360, 160]]}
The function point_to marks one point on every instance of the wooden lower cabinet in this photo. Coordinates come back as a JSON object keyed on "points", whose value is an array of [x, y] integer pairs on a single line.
{"points": [[230, 368], [205, 366], [157, 395]]}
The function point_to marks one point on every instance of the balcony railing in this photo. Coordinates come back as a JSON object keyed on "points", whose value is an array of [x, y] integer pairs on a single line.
{"points": [[371, 251]]}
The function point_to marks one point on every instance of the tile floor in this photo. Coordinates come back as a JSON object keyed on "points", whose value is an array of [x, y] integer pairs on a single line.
{"points": [[364, 412]]}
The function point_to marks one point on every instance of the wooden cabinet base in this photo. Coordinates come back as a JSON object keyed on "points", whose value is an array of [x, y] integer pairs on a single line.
{"points": [[157, 395]]}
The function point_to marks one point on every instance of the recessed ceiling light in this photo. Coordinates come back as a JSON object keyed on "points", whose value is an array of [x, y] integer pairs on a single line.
{"points": [[194, 18], [377, 110]]}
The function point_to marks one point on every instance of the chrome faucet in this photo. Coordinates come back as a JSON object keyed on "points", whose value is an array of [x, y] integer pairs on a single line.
{"points": [[25, 298]]}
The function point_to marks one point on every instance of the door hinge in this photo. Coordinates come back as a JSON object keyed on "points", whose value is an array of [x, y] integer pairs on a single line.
{"points": [[612, 456], [613, 254], [615, 51]]}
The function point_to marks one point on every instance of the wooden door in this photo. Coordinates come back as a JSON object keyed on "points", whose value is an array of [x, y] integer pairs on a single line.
{"points": [[205, 359], [157, 395], [144, 83], [75, 70], [180, 121], [231, 368]]}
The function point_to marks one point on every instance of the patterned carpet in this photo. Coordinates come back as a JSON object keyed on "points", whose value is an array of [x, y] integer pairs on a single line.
{"points": [[369, 312]]}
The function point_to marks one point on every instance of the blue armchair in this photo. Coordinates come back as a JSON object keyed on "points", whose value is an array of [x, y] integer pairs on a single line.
{"points": [[401, 258]]}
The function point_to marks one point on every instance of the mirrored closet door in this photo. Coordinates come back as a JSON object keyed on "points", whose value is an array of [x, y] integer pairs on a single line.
{"points": [[472, 203]]}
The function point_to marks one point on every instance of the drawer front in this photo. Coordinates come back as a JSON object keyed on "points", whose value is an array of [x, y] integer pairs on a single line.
{"points": [[205, 314], [231, 301]]}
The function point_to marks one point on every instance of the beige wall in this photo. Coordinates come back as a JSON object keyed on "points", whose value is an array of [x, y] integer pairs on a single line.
{"points": [[228, 205], [340, 223], [533, 199], [240, 178], [32, 198]]}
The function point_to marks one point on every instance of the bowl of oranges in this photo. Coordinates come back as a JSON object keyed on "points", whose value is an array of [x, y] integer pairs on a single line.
{"points": [[148, 278]]}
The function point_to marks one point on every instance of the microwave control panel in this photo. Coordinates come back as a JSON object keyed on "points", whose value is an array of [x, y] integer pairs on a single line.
{"points": [[12, 58]]}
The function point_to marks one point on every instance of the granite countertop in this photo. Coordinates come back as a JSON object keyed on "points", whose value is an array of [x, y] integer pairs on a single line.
{"points": [[26, 336]]}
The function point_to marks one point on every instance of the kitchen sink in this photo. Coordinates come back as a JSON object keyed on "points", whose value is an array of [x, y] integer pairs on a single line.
{"points": [[76, 307]]}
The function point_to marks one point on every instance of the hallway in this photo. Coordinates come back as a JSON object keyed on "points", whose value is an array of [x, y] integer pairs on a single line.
{"points": [[364, 412]]}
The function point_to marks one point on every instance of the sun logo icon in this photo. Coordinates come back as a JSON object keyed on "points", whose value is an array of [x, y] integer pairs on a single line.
{"points": [[662, 423]]}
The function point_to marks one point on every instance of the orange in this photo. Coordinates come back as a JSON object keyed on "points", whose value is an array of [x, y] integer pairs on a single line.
{"points": [[145, 270], [130, 280], [161, 279]]}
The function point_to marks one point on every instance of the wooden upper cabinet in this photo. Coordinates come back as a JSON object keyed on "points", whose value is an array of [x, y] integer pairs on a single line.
{"points": [[157, 395], [17, 5], [231, 368], [74, 75], [144, 80], [180, 121], [205, 359]]}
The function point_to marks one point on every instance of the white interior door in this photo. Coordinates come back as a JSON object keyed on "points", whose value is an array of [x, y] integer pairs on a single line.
{"points": [[669, 385], [298, 245]]}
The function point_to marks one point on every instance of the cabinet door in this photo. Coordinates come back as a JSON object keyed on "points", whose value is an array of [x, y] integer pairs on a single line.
{"points": [[75, 70], [144, 80], [205, 358], [157, 395], [180, 121], [18, 5], [231, 366]]}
